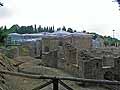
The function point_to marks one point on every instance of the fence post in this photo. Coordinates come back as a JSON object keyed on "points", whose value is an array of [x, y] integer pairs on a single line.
{"points": [[55, 84]]}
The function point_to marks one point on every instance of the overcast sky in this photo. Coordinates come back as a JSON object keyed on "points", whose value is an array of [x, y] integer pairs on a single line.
{"points": [[100, 16]]}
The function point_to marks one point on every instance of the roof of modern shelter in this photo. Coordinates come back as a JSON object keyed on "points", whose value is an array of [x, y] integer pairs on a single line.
{"points": [[81, 34], [61, 32], [29, 40], [14, 34], [54, 34]]}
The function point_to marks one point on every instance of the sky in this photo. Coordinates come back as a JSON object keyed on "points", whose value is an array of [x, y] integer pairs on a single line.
{"points": [[100, 16]]}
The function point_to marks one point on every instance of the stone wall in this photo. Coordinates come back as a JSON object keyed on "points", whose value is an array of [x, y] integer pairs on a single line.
{"points": [[82, 42], [38, 48], [34, 48], [117, 68], [86, 63], [12, 52], [70, 63], [50, 58], [61, 57], [108, 61], [93, 69], [49, 43], [25, 51], [70, 54]]}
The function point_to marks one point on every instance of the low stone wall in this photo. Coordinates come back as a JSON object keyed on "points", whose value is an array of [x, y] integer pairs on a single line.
{"points": [[12, 52], [50, 58], [16, 51]]}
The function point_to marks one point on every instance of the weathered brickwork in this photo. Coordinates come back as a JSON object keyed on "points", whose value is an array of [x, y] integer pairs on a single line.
{"points": [[76, 55]]}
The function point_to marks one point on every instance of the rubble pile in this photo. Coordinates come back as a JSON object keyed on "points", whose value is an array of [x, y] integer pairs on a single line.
{"points": [[5, 64], [99, 52]]}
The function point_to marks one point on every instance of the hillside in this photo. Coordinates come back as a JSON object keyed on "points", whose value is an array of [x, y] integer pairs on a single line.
{"points": [[108, 40], [5, 64]]}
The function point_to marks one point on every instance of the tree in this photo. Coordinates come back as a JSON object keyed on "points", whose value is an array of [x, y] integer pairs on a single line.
{"points": [[51, 30], [40, 29], [1, 4], [84, 31], [14, 29], [35, 28], [70, 30], [5, 27], [29, 29], [64, 29], [118, 1], [45, 29], [106, 43], [75, 31], [58, 29], [22, 30], [94, 36], [3, 34]]}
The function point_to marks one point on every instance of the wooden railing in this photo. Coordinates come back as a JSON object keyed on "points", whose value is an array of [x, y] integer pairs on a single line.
{"points": [[57, 80]]}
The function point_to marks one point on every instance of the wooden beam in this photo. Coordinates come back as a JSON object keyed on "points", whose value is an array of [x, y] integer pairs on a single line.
{"points": [[44, 85], [55, 84], [61, 78], [64, 85]]}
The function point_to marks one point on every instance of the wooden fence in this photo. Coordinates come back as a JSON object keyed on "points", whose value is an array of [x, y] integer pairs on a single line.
{"points": [[57, 80]]}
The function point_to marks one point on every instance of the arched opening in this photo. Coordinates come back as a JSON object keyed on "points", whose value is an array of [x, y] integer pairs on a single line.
{"points": [[108, 75]]}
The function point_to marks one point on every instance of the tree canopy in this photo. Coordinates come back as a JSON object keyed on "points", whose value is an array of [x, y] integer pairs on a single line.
{"points": [[1, 4]]}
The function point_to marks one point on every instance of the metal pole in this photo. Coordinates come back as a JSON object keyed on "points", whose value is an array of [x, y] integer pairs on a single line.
{"points": [[55, 84], [113, 34]]}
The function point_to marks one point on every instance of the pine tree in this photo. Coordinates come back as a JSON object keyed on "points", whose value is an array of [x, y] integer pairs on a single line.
{"points": [[70, 30], [64, 29], [36, 31], [58, 29], [40, 29]]}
